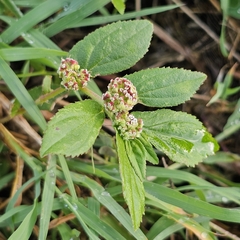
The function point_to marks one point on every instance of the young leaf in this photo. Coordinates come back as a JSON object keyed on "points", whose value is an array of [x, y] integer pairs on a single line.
{"points": [[113, 48], [150, 155], [165, 87], [179, 135], [136, 156], [133, 189], [119, 5], [73, 130]]}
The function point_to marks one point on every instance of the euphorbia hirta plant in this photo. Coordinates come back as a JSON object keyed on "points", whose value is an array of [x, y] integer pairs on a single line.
{"points": [[74, 129]]}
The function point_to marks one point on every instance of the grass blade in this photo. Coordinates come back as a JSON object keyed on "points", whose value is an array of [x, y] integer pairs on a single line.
{"points": [[47, 197], [190, 204], [25, 229], [87, 9], [67, 175], [91, 21], [19, 54], [31, 18], [104, 198], [21, 93]]}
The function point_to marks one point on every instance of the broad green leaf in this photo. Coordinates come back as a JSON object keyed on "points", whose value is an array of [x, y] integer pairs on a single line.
{"points": [[24, 231], [73, 130], [165, 87], [113, 48], [133, 189], [179, 135], [119, 5]]}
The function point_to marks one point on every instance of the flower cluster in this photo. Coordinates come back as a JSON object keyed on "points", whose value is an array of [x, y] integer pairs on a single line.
{"points": [[120, 99], [128, 126], [121, 95], [72, 76]]}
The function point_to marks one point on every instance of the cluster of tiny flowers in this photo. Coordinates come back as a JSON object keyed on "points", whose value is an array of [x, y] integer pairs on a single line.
{"points": [[121, 95], [72, 76], [120, 99], [128, 126]]}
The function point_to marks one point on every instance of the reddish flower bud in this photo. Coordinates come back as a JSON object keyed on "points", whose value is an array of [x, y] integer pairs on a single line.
{"points": [[72, 76], [122, 94]]}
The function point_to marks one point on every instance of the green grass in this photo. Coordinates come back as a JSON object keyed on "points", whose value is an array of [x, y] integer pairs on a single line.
{"points": [[55, 187]]}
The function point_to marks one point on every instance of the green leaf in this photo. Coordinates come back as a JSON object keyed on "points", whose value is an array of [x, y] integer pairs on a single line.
{"points": [[47, 197], [149, 152], [113, 48], [82, 9], [165, 87], [179, 135], [232, 125], [190, 204], [109, 203], [31, 18], [133, 189], [19, 54], [119, 5], [97, 20], [136, 156], [24, 231], [73, 130], [232, 7], [234, 118], [20, 92]]}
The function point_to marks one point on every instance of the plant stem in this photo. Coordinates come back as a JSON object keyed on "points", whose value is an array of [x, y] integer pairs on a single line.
{"points": [[93, 95], [49, 95]]}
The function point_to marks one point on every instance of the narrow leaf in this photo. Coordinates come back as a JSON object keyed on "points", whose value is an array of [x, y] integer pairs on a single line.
{"points": [[82, 10], [110, 203], [96, 20], [47, 197], [165, 87], [133, 189], [19, 54], [119, 5], [179, 135], [136, 156], [34, 16], [149, 152], [24, 231], [21, 93], [234, 118], [73, 130], [190, 204], [113, 48]]}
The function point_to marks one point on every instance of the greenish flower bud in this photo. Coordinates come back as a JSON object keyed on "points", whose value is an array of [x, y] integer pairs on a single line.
{"points": [[127, 125], [72, 76]]}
